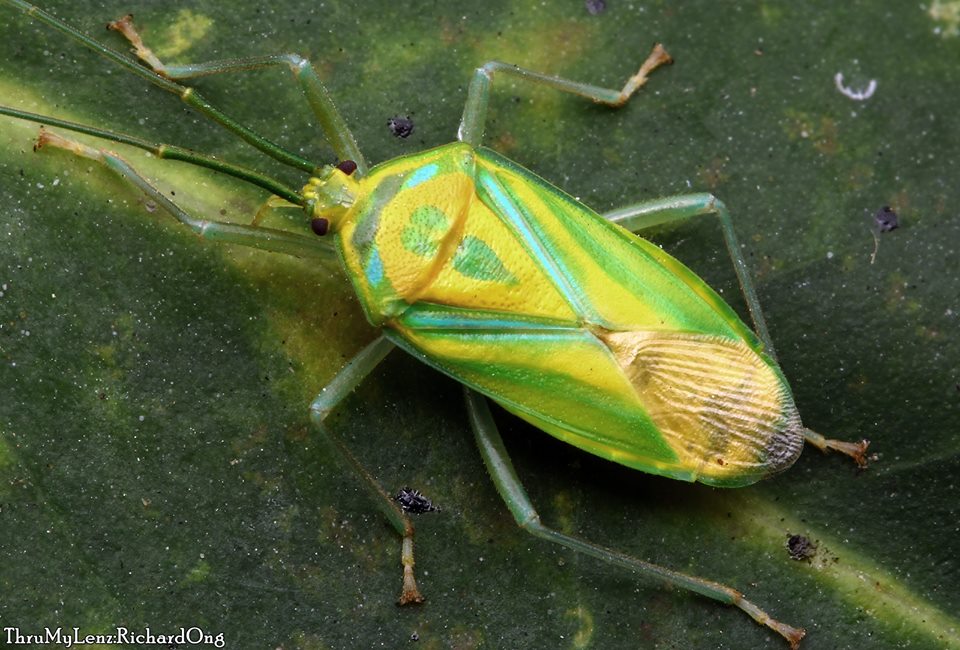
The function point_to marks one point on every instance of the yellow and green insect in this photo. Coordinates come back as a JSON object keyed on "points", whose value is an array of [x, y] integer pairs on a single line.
{"points": [[486, 272]]}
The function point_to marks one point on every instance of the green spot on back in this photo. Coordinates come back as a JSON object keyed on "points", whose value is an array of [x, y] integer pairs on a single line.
{"points": [[476, 260], [422, 235]]}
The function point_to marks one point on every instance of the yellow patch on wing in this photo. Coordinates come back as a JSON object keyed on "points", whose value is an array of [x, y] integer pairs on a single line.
{"points": [[620, 281], [526, 288], [409, 269], [567, 384], [723, 408]]}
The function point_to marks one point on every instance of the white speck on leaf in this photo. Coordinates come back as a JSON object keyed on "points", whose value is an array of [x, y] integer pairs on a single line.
{"points": [[857, 95]]}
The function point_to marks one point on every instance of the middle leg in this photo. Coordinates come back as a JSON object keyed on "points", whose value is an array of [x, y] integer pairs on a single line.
{"points": [[349, 377]]}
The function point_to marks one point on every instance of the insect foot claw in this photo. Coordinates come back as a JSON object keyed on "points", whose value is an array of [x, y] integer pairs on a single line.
{"points": [[125, 27], [410, 594], [856, 450], [410, 598], [50, 139], [793, 635]]}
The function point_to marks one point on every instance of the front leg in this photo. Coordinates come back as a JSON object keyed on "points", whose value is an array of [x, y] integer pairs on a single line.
{"points": [[334, 126], [266, 239]]}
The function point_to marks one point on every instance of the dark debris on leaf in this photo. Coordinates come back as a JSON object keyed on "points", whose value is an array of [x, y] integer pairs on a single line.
{"points": [[886, 219], [401, 127], [413, 501], [595, 7], [800, 547]]}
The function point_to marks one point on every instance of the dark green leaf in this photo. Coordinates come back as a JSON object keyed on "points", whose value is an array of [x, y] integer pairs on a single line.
{"points": [[157, 467]]}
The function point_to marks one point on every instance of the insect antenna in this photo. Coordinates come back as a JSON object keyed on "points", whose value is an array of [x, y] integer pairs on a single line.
{"points": [[166, 151]]}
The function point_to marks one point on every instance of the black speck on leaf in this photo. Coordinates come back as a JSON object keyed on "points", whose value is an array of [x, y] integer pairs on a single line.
{"points": [[886, 219], [414, 502], [596, 6], [401, 127], [800, 547]]}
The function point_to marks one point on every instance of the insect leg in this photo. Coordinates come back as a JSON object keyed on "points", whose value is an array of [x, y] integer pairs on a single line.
{"points": [[349, 378], [188, 95], [676, 208], [478, 94], [269, 239], [334, 126], [511, 490], [332, 394], [166, 151], [856, 450]]}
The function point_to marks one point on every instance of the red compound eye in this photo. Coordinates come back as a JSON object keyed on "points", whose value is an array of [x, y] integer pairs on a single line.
{"points": [[347, 166], [320, 226]]}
